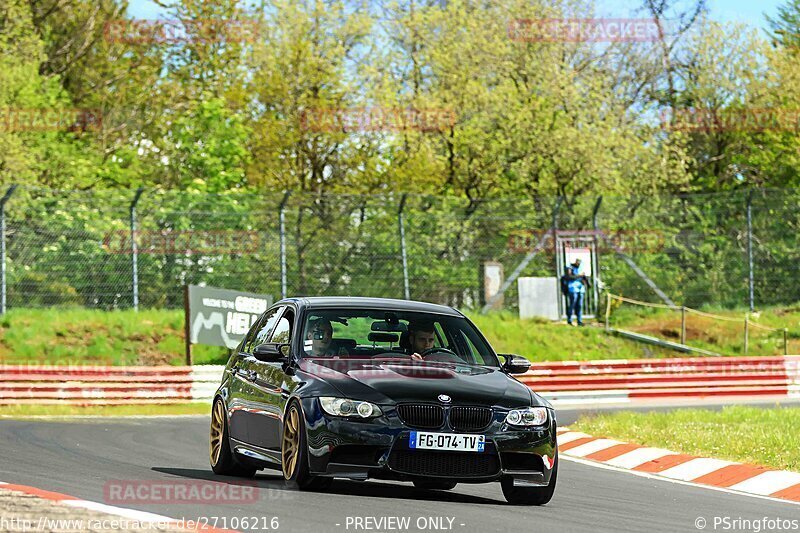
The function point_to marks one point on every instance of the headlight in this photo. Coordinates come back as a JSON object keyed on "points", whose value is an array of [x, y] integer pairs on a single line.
{"points": [[530, 416], [346, 407]]}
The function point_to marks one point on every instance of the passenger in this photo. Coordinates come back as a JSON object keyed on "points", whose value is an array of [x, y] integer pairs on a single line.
{"points": [[320, 333]]}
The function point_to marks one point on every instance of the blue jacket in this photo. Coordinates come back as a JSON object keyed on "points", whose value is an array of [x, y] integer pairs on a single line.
{"points": [[575, 283]]}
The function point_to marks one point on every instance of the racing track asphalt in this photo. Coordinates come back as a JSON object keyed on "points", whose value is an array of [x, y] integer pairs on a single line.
{"points": [[77, 457]]}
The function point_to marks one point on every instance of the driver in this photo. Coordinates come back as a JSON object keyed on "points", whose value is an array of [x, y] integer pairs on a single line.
{"points": [[421, 337]]}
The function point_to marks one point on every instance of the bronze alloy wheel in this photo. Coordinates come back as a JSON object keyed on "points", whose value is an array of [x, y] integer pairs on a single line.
{"points": [[217, 429], [290, 447], [223, 461]]}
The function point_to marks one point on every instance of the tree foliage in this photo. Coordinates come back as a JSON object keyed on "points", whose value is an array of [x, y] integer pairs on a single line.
{"points": [[529, 118], [219, 117]]}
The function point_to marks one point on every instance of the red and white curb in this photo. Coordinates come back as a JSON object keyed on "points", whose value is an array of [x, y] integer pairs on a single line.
{"points": [[735, 477], [142, 517]]}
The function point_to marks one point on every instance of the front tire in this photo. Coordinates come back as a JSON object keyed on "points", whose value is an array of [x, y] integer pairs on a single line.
{"points": [[294, 453], [223, 462], [529, 495], [434, 485]]}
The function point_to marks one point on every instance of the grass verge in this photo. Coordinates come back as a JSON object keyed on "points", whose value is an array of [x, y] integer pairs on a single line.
{"points": [[24, 411], [763, 436], [151, 337], [76, 336], [542, 340]]}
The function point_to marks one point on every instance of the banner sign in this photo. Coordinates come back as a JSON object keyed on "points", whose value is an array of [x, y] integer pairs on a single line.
{"points": [[221, 317]]}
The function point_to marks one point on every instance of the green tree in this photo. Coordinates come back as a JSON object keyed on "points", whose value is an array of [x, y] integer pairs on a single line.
{"points": [[785, 27]]}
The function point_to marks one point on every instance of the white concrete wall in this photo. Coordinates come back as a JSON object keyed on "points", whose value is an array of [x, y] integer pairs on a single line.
{"points": [[538, 297]]}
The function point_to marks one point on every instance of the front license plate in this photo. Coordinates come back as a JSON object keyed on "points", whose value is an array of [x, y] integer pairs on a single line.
{"points": [[420, 440]]}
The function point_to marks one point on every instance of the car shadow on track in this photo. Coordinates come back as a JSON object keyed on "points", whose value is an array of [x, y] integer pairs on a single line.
{"points": [[340, 487]]}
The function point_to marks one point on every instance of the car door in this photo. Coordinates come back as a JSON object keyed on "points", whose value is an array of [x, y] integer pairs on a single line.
{"points": [[250, 398], [238, 387], [274, 385]]}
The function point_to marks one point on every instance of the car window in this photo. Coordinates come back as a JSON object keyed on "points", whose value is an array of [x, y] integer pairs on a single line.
{"points": [[364, 333], [358, 329], [263, 327], [440, 334], [470, 348], [283, 331], [248, 339]]}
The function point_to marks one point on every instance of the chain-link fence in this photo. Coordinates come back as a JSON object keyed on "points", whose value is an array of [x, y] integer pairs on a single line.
{"points": [[76, 247]]}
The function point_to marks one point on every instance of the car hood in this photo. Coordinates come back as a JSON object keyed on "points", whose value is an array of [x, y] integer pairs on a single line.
{"points": [[385, 382]]}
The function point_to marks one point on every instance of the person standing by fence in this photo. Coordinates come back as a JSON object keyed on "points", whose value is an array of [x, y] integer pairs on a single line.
{"points": [[575, 283]]}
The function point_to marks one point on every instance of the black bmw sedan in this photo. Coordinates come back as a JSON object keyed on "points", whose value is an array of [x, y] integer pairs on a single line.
{"points": [[360, 388]]}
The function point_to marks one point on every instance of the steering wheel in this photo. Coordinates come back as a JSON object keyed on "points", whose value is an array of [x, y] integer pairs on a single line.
{"points": [[448, 354]]}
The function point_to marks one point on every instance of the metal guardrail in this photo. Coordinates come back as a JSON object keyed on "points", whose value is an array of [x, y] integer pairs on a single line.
{"points": [[678, 347]]}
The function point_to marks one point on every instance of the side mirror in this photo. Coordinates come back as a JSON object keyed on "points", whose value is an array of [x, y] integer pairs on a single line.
{"points": [[515, 364], [271, 352]]}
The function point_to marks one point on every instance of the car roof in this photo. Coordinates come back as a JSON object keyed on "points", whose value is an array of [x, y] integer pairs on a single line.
{"points": [[361, 302]]}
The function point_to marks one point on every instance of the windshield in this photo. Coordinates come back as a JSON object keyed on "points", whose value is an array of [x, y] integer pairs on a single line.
{"points": [[350, 333]]}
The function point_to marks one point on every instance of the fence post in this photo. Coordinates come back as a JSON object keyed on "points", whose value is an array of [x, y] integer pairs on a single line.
{"points": [[785, 341], [135, 249], [282, 218], [401, 225], [557, 208], [595, 212], [3, 201], [187, 321], [750, 248], [597, 283], [683, 324], [608, 311], [746, 333]]}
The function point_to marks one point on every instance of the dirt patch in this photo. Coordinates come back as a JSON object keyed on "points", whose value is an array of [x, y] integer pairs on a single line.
{"points": [[149, 355], [153, 358], [671, 330]]}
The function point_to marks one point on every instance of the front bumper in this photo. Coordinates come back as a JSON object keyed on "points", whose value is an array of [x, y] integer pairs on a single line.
{"points": [[379, 448]]}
